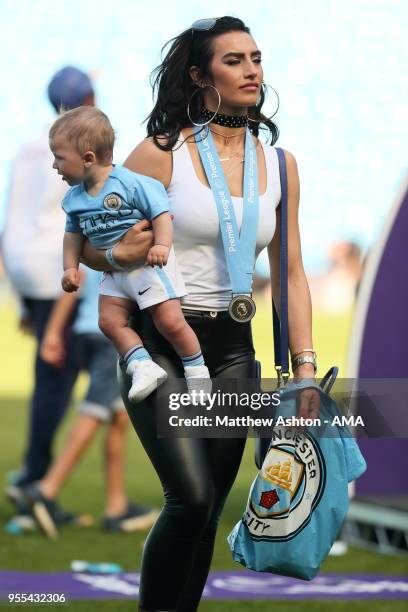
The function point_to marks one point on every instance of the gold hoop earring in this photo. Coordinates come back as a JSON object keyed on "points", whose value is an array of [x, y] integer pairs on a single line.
{"points": [[189, 102], [277, 107]]}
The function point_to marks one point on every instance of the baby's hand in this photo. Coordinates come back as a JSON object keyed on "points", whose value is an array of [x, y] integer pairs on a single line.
{"points": [[70, 280], [158, 255]]}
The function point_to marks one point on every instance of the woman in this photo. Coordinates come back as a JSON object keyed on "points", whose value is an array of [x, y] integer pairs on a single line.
{"points": [[212, 73]]}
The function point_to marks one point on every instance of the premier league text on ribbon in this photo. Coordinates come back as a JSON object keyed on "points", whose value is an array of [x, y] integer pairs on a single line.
{"points": [[239, 246], [225, 202]]}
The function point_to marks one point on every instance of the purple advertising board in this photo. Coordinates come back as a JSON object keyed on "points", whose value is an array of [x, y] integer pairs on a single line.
{"points": [[379, 343]]}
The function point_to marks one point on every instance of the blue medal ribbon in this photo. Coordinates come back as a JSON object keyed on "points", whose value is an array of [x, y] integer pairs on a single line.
{"points": [[239, 247]]}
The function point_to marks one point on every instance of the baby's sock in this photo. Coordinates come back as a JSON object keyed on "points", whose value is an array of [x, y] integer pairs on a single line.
{"points": [[193, 360], [197, 378], [137, 352]]}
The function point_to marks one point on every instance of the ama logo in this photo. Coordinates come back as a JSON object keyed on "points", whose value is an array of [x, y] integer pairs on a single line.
{"points": [[288, 487]]}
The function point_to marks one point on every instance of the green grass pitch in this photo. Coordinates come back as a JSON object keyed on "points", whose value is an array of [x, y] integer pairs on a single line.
{"points": [[84, 493]]}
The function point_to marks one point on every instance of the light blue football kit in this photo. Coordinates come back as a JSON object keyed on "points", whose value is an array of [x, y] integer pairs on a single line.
{"points": [[125, 199]]}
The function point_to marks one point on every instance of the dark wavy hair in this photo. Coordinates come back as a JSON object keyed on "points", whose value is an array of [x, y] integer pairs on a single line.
{"points": [[173, 87]]}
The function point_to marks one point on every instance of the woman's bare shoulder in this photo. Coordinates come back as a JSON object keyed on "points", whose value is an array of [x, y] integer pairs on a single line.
{"points": [[148, 159], [293, 180], [292, 168], [290, 159]]}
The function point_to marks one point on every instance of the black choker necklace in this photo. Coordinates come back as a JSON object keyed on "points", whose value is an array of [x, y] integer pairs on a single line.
{"points": [[233, 121]]}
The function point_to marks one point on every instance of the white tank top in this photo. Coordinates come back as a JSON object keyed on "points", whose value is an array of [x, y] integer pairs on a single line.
{"points": [[197, 235]]}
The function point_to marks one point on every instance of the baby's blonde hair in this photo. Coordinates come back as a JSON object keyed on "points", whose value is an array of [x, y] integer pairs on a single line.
{"points": [[88, 129]]}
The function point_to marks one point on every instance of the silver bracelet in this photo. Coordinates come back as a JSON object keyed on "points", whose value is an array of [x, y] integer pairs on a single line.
{"points": [[306, 350], [298, 361], [111, 260]]}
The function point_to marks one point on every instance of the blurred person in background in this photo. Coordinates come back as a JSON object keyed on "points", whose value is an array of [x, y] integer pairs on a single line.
{"points": [[334, 292], [31, 247], [92, 352]]}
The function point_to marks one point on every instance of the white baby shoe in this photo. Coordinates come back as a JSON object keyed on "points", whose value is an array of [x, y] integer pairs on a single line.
{"points": [[146, 377]]}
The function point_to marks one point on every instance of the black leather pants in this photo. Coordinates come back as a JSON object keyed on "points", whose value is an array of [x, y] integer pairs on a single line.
{"points": [[196, 474]]}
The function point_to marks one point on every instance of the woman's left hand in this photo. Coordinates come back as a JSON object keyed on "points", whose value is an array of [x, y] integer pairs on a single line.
{"points": [[308, 399], [308, 403]]}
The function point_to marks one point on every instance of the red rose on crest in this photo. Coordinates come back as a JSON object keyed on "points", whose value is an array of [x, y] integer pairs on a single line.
{"points": [[269, 499]]}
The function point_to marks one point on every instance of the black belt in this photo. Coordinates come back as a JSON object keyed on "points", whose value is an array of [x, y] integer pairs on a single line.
{"points": [[206, 314]]}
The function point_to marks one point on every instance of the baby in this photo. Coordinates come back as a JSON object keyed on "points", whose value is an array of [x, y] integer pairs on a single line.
{"points": [[102, 204]]}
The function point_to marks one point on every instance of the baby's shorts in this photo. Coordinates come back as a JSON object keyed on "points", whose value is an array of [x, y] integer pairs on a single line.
{"points": [[145, 285]]}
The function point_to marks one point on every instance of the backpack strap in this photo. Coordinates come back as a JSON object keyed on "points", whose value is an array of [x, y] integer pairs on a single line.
{"points": [[281, 327]]}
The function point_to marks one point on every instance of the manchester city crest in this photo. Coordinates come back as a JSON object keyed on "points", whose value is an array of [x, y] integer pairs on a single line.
{"points": [[112, 201], [288, 487]]}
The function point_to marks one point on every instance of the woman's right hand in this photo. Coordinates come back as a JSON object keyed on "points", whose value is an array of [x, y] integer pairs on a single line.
{"points": [[131, 249], [135, 244]]}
